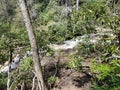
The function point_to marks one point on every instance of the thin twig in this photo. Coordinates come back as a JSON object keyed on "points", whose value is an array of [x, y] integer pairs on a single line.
{"points": [[22, 86]]}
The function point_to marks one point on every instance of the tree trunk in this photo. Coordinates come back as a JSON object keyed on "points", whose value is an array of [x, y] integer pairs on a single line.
{"points": [[77, 5], [36, 59], [9, 71], [8, 19]]}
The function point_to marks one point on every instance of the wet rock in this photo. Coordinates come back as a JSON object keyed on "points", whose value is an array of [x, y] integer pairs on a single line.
{"points": [[16, 59], [5, 69], [13, 65]]}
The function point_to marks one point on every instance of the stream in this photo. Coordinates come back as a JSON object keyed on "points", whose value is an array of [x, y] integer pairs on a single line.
{"points": [[67, 45]]}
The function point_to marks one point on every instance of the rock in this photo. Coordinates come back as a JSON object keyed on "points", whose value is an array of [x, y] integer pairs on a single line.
{"points": [[28, 53], [5, 69], [70, 44], [16, 59], [91, 38], [13, 65], [6, 63], [0, 66]]}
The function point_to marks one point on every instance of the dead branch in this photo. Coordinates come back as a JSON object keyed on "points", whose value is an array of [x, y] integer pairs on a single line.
{"points": [[114, 57], [22, 86]]}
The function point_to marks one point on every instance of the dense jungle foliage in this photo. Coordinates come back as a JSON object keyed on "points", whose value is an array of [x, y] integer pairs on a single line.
{"points": [[55, 21]]}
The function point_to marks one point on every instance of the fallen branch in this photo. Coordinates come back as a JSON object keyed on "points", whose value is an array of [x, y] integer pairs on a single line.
{"points": [[114, 57]]}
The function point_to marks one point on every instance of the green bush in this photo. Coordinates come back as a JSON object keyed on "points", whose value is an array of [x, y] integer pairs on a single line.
{"points": [[51, 80], [101, 70], [106, 75], [75, 62], [57, 33], [59, 25], [3, 81], [24, 73]]}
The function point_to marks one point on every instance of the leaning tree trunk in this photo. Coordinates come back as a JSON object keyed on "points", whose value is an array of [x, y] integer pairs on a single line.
{"points": [[36, 59]]}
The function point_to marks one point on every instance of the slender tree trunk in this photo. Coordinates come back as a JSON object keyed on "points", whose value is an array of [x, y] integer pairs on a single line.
{"points": [[9, 71], [66, 3], [8, 19], [77, 5], [36, 59]]}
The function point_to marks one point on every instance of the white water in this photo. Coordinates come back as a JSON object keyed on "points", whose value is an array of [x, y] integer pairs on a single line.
{"points": [[69, 44]]}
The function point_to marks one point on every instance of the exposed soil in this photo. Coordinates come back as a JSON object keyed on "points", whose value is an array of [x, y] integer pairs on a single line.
{"points": [[67, 79], [72, 80]]}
